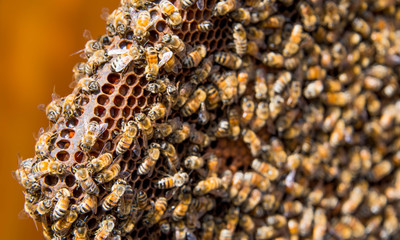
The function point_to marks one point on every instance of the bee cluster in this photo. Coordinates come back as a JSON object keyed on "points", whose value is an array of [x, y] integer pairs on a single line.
{"points": [[228, 119]]}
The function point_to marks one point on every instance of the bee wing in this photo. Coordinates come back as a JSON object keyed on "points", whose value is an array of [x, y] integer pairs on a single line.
{"points": [[54, 95], [177, 67], [117, 51], [136, 150], [105, 13], [87, 34], [42, 107], [102, 128], [200, 4], [165, 58]]}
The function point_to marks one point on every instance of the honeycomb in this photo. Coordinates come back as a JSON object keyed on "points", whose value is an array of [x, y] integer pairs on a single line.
{"points": [[327, 151]]}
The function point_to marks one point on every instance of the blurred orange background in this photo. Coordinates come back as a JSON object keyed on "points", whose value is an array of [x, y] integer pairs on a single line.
{"points": [[37, 39]]}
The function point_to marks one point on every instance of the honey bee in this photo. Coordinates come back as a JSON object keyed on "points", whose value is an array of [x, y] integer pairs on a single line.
{"points": [[224, 7], [247, 224], [99, 163], [87, 204], [276, 106], [47, 166], [142, 200], [152, 66], [313, 89], [242, 195], [292, 46], [227, 86], [195, 56], [253, 50], [320, 224], [248, 108], [253, 141], [106, 175], [169, 151], [26, 180], [178, 180], [62, 226], [232, 219], [62, 203], [112, 199], [126, 205], [265, 169], [174, 43], [88, 85], [380, 170], [80, 231], [202, 72], [174, 18], [237, 182], [308, 17], [85, 180], [79, 70], [193, 104], [228, 59], [125, 56], [205, 26], [213, 97], [252, 201], [274, 60], [212, 165], [283, 79], [243, 79], [194, 162], [222, 129], [276, 220], [181, 134], [260, 86], [315, 73], [119, 20], [53, 110], [163, 130], [255, 179], [208, 227], [208, 185], [261, 117], [361, 26], [165, 227], [265, 232], [92, 131], [355, 198], [240, 39], [275, 21], [142, 23], [182, 208], [145, 125], [157, 112], [95, 61], [153, 154], [128, 225], [44, 206], [106, 226], [71, 106], [180, 230], [241, 15], [91, 46], [160, 207], [203, 115], [168, 60]]}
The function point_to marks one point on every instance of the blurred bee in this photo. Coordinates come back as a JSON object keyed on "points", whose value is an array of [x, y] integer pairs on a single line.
{"points": [[178, 180], [292, 46], [62, 203], [174, 43], [195, 56], [252, 201], [44, 206], [149, 161], [275, 21], [294, 94], [292, 208], [125, 56], [315, 73], [112, 199], [240, 39], [160, 207], [261, 117], [194, 162], [355, 198], [71, 106], [203, 115], [157, 111], [106, 226], [234, 120], [243, 79], [308, 17], [174, 18], [96, 60], [320, 224], [128, 225], [84, 179], [255, 179], [165, 226], [267, 10], [181, 209], [152, 66], [208, 226], [242, 195], [253, 141], [225, 234], [227, 86], [184, 93], [106, 175], [260, 86], [62, 226], [141, 24], [169, 151], [193, 104], [202, 72], [126, 205], [283, 79], [207, 185], [361, 26], [99, 163], [275, 106], [241, 15], [87, 204], [180, 230], [380, 170], [44, 144], [274, 60], [145, 125], [228, 59], [237, 182], [163, 130], [224, 7], [213, 97], [92, 131], [80, 231], [181, 134], [212, 165], [265, 169], [222, 129], [313, 89], [277, 221], [53, 110], [265, 232], [291, 63], [248, 108], [247, 224], [205, 26], [79, 70]]}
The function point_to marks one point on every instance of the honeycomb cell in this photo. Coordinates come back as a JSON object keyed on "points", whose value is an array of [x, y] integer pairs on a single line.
{"points": [[143, 82], [113, 78], [195, 37], [114, 112], [126, 112], [110, 123], [72, 123], [153, 37], [102, 99], [142, 101], [79, 155], [131, 101], [185, 27], [70, 180], [206, 14], [107, 89], [199, 16], [100, 111], [193, 26], [123, 90], [210, 4], [77, 192], [118, 100], [131, 80], [62, 156], [139, 71], [190, 15], [160, 26], [187, 37], [51, 180], [137, 91], [67, 133], [63, 144]]}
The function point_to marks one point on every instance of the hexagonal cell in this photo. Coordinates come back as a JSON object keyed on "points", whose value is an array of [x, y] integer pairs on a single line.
{"points": [[114, 78], [79, 156], [67, 133], [185, 26], [126, 112], [107, 89], [142, 101], [123, 90], [102, 99], [99, 111], [153, 37], [114, 112], [161, 26], [72, 123], [131, 79], [62, 156], [63, 144], [190, 15], [70, 180], [51, 180], [198, 16], [118, 100], [137, 91], [139, 71], [131, 101]]}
